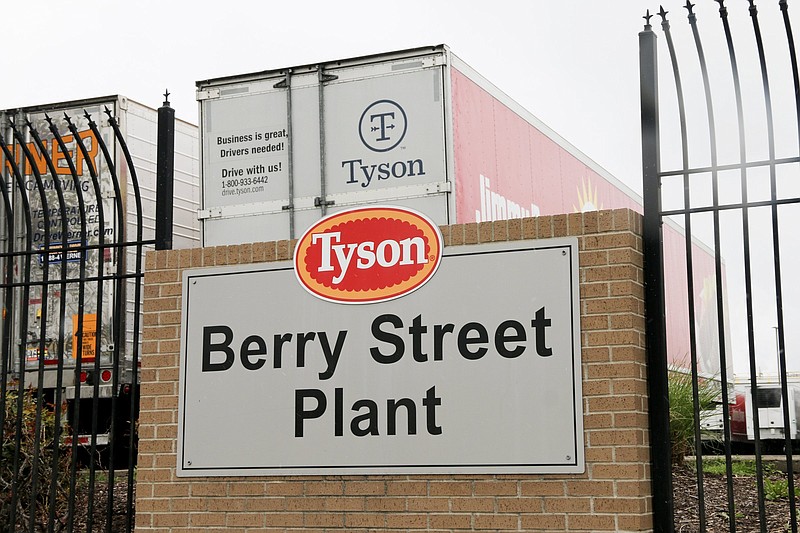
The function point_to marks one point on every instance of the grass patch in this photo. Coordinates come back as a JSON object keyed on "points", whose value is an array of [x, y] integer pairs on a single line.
{"points": [[682, 410], [777, 489], [739, 468]]}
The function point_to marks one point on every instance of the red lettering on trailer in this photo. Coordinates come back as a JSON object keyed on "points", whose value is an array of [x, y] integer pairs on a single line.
{"points": [[369, 254]]}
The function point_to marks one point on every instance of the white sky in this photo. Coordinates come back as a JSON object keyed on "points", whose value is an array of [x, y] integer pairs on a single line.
{"points": [[573, 64]]}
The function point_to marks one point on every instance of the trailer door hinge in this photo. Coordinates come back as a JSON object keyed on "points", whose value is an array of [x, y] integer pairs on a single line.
{"points": [[325, 78], [438, 187], [318, 202], [207, 94], [284, 83]]}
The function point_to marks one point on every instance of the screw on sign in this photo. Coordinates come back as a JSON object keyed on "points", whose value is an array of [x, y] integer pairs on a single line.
{"points": [[368, 255]]}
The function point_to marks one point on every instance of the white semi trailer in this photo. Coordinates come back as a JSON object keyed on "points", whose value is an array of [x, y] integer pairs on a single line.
{"points": [[40, 339], [417, 128]]}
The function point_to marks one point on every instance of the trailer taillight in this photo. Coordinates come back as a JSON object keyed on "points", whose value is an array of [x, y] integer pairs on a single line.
{"points": [[105, 376], [84, 376]]}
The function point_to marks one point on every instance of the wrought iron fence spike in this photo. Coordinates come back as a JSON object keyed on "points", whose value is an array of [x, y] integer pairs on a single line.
{"points": [[663, 14], [89, 118], [647, 18], [67, 118], [107, 111], [689, 7], [166, 97]]}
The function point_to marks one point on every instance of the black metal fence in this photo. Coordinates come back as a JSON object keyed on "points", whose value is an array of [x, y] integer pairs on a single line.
{"points": [[731, 196], [72, 242]]}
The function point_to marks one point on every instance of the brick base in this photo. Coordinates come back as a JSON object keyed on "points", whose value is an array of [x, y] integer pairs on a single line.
{"points": [[613, 494]]}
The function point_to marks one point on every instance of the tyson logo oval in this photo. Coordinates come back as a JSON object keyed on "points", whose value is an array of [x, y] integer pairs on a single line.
{"points": [[368, 254]]}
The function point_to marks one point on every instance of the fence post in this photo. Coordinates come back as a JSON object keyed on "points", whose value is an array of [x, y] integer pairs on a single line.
{"points": [[165, 175], [660, 449]]}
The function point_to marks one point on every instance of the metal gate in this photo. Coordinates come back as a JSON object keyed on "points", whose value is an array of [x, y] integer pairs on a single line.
{"points": [[72, 240], [729, 193]]}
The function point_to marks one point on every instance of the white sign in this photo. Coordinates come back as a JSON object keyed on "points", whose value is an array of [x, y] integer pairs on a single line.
{"points": [[479, 371], [245, 151], [389, 134]]}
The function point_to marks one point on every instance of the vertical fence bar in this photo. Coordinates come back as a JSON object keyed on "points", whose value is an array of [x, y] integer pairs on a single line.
{"points": [[776, 248], [83, 247], [784, 7], [712, 140], [54, 485], [658, 389], [688, 241], [101, 248], [6, 287], [118, 311], [9, 151], [138, 275], [723, 12], [42, 316], [25, 257]]}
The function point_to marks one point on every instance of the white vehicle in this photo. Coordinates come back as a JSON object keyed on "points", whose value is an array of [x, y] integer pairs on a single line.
{"points": [[772, 430]]}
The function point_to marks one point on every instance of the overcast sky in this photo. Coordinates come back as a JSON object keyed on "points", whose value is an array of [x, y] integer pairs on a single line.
{"points": [[573, 64]]}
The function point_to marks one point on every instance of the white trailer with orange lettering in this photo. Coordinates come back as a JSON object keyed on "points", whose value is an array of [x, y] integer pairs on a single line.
{"points": [[47, 349]]}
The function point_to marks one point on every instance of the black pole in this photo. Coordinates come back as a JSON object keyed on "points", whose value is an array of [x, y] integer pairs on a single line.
{"points": [[655, 328], [165, 174]]}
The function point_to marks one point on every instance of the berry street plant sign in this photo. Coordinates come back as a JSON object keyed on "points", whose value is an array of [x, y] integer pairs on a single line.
{"points": [[462, 362]]}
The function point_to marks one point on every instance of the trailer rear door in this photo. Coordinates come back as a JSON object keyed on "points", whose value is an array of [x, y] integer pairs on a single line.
{"points": [[284, 148]]}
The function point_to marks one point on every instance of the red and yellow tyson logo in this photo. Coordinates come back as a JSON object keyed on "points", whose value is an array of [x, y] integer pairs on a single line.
{"points": [[368, 254]]}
